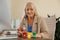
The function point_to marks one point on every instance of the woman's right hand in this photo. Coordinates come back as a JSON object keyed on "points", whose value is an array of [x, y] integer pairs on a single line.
{"points": [[20, 31]]}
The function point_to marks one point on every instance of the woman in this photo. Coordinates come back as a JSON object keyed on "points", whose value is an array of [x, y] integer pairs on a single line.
{"points": [[32, 19]]}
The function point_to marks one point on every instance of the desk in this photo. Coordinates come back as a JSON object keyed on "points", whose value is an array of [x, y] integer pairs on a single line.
{"points": [[9, 37], [28, 39], [17, 38]]}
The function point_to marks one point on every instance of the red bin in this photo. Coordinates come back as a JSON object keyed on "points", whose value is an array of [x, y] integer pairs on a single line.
{"points": [[24, 35]]}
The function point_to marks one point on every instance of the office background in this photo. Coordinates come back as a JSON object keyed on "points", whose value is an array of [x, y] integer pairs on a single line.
{"points": [[11, 10]]}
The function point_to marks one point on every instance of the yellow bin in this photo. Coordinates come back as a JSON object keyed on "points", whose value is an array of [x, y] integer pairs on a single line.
{"points": [[29, 35]]}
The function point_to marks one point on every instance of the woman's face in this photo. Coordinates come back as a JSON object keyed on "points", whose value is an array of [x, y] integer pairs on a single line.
{"points": [[30, 12]]}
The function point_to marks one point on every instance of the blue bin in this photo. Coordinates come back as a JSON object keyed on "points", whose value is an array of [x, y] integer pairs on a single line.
{"points": [[29, 28]]}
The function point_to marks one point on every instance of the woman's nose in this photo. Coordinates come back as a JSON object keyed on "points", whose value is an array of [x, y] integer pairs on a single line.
{"points": [[29, 11]]}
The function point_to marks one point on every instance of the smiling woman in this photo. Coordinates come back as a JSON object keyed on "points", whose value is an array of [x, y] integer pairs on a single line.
{"points": [[33, 23]]}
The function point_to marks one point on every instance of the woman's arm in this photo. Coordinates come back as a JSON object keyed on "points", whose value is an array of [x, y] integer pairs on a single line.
{"points": [[43, 28], [20, 29]]}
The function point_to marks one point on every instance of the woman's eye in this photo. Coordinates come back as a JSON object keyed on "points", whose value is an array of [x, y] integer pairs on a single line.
{"points": [[27, 9], [31, 9]]}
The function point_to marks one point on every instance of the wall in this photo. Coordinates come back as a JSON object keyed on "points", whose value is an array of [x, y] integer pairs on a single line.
{"points": [[43, 7], [5, 15]]}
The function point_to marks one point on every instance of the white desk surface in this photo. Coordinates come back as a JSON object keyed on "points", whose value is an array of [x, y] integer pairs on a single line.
{"points": [[8, 37]]}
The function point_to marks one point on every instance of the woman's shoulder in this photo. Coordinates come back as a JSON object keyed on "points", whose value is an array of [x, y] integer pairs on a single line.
{"points": [[40, 17], [24, 18]]}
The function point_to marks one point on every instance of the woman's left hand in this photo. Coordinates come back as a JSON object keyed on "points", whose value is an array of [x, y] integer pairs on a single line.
{"points": [[38, 35]]}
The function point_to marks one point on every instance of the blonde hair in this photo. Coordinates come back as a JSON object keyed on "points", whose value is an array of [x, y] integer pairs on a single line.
{"points": [[30, 3]]}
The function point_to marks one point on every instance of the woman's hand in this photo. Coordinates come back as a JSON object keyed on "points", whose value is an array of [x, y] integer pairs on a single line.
{"points": [[38, 36], [20, 31]]}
